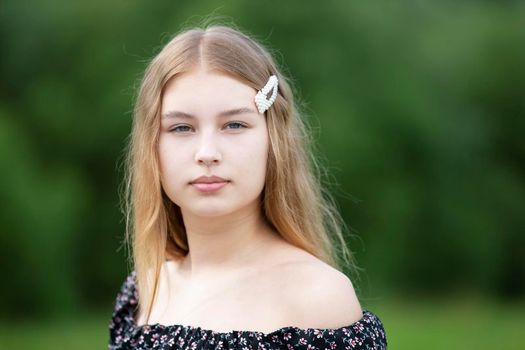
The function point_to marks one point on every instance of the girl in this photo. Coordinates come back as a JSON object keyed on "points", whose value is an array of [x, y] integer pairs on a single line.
{"points": [[235, 243]]}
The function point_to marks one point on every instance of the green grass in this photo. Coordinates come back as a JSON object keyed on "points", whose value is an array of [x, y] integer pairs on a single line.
{"points": [[460, 323], [85, 332]]}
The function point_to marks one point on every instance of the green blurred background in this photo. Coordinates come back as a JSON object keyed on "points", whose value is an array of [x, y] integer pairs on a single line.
{"points": [[418, 108]]}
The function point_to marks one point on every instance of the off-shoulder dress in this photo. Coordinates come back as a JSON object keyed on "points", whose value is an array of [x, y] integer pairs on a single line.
{"points": [[124, 333]]}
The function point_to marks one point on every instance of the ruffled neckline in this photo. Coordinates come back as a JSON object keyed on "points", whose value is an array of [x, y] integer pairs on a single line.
{"points": [[367, 316]]}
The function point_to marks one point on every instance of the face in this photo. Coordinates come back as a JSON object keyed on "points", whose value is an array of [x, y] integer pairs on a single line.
{"points": [[210, 126]]}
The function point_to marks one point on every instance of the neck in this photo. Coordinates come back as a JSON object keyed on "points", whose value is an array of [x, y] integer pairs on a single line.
{"points": [[224, 244]]}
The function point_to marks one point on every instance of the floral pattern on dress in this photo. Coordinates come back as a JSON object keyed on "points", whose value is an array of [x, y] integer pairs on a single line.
{"points": [[367, 333]]}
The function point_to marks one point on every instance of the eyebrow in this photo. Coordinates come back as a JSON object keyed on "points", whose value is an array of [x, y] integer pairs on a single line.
{"points": [[178, 114]]}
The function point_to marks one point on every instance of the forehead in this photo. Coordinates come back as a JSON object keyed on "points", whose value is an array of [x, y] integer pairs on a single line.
{"points": [[201, 92]]}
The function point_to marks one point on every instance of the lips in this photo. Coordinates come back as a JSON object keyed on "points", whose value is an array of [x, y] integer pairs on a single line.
{"points": [[209, 183], [208, 180]]}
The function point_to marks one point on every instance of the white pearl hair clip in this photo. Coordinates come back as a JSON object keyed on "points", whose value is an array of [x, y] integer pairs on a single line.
{"points": [[260, 99]]}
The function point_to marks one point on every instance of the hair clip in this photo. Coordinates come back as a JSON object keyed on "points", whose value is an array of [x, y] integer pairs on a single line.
{"points": [[260, 99]]}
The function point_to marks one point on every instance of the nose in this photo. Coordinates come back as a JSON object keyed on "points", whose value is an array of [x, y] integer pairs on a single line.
{"points": [[207, 152]]}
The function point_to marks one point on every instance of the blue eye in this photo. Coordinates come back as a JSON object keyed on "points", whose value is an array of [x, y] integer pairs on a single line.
{"points": [[236, 123], [177, 129]]}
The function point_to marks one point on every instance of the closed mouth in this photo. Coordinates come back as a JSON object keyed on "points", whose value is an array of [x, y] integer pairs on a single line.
{"points": [[208, 179]]}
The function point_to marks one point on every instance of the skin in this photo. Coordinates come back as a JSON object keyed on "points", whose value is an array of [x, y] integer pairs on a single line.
{"points": [[236, 262]]}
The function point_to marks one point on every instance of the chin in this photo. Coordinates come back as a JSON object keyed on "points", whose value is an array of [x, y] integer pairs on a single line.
{"points": [[210, 211]]}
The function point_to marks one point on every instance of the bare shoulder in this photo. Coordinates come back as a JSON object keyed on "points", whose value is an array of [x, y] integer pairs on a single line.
{"points": [[164, 285], [320, 296]]}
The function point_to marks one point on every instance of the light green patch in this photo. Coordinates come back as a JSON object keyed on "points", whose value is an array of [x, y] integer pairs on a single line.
{"points": [[461, 323]]}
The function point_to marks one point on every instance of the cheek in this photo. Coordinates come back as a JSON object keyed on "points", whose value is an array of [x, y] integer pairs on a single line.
{"points": [[170, 158], [164, 159], [253, 157]]}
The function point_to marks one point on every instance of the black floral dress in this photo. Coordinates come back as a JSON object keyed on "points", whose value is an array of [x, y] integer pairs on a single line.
{"points": [[367, 333]]}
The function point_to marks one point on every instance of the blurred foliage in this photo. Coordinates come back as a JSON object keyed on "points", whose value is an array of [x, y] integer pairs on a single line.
{"points": [[418, 108]]}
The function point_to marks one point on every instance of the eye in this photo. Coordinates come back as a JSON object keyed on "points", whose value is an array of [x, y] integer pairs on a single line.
{"points": [[178, 128], [236, 125]]}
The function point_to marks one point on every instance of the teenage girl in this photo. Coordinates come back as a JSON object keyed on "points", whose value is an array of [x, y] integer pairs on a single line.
{"points": [[234, 240]]}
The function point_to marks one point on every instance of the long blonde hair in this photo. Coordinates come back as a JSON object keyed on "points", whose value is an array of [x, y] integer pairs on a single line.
{"points": [[294, 201]]}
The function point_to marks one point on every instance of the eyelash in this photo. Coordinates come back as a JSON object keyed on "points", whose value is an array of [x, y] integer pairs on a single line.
{"points": [[232, 123]]}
